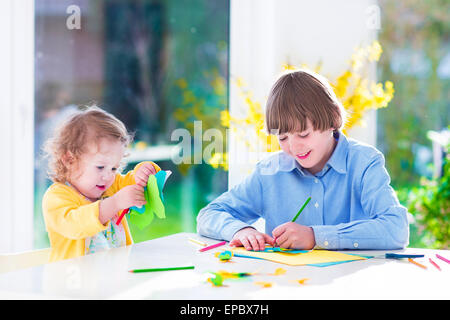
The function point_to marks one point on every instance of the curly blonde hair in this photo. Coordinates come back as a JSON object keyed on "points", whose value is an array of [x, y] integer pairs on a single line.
{"points": [[74, 135]]}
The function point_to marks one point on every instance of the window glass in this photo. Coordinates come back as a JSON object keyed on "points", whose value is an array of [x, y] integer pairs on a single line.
{"points": [[416, 58], [145, 62]]}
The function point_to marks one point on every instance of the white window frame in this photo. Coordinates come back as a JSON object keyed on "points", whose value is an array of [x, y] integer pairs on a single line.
{"points": [[17, 125]]}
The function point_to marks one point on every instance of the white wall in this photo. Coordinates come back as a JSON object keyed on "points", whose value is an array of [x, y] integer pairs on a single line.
{"points": [[265, 34], [16, 125]]}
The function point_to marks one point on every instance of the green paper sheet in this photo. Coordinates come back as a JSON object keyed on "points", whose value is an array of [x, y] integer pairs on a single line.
{"points": [[142, 217]]}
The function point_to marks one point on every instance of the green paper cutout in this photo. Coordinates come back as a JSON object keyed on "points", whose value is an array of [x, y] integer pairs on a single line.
{"points": [[217, 280], [226, 255], [142, 217]]}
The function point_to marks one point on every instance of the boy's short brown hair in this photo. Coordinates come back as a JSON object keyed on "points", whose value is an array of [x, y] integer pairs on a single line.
{"points": [[300, 95], [76, 133]]}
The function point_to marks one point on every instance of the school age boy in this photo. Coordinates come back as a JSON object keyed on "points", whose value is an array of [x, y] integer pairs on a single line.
{"points": [[352, 203]]}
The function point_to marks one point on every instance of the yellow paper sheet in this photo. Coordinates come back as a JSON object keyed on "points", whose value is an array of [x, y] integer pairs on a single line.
{"points": [[299, 259]]}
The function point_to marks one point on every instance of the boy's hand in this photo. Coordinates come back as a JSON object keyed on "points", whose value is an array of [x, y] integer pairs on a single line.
{"points": [[251, 239], [142, 174], [130, 196], [291, 235]]}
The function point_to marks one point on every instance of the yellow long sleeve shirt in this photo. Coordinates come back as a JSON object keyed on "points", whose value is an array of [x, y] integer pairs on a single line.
{"points": [[70, 218]]}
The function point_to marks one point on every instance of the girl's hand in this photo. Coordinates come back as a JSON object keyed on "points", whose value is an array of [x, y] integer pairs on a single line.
{"points": [[291, 235], [142, 174], [125, 198], [129, 196], [251, 239]]}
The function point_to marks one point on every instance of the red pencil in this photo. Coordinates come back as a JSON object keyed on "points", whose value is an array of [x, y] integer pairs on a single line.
{"points": [[124, 212], [434, 264], [442, 258], [213, 246]]}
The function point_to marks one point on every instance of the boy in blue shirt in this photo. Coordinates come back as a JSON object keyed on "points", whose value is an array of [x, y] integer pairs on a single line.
{"points": [[352, 203]]}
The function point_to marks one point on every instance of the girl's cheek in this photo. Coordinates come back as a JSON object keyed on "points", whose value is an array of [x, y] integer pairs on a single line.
{"points": [[111, 180]]}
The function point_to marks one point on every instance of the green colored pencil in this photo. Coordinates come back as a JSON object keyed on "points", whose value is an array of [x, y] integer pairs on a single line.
{"points": [[301, 209], [161, 269]]}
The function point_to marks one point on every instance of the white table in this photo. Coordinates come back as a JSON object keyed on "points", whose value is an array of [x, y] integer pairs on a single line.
{"points": [[105, 275]]}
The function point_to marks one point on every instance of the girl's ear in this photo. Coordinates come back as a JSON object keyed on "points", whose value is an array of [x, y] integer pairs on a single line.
{"points": [[68, 159]]}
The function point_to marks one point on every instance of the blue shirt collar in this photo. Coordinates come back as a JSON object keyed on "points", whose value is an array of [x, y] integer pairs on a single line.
{"points": [[338, 160]]}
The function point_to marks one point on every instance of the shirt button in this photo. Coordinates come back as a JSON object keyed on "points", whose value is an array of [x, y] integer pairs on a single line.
{"points": [[316, 205], [325, 243], [316, 181], [355, 244]]}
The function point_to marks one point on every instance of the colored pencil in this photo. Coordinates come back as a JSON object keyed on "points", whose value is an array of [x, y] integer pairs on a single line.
{"points": [[213, 246], [434, 264], [301, 209], [160, 269], [442, 258], [124, 212], [416, 263], [296, 216], [198, 242]]}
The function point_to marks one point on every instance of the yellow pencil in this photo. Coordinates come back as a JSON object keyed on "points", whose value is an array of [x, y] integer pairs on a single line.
{"points": [[198, 242]]}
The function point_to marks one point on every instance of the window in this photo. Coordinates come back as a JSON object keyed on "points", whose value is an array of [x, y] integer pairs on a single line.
{"points": [[416, 59], [414, 129], [145, 62]]}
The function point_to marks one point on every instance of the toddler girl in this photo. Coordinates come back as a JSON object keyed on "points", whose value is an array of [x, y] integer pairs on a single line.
{"points": [[82, 205]]}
